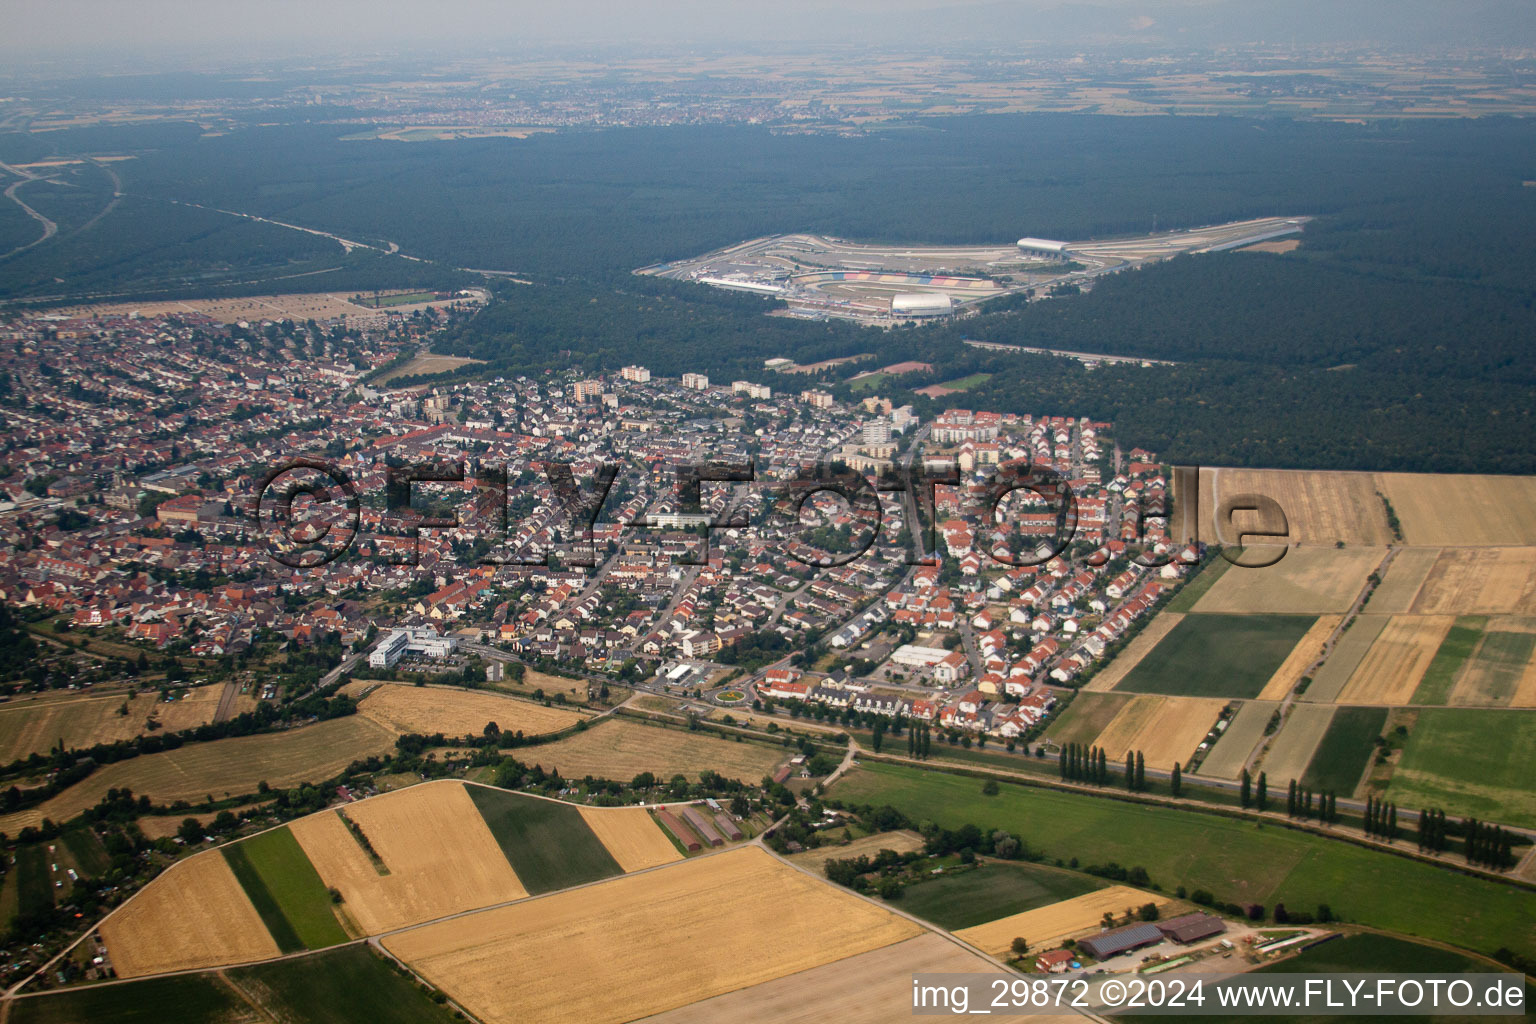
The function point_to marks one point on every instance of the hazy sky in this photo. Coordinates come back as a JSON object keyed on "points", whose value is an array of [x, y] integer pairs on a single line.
{"points": [[43, 29]]}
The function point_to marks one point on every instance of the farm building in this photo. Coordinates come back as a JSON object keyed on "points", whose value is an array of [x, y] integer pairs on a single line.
{"points": [[679, 831], [1189, 928], [1120, 940], [705, 830], [728, 827]]}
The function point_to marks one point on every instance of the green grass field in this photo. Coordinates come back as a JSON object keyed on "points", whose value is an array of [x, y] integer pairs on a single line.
{"points": [[966, 383], [1237, 860], [1195, 589], [1346, 748], [183, 999], [1470, 761], [869, 383], [34, 882], [1218, 656], [1499, 663], [348, 985], [547, 843], [1086, 717], [286, 890], [991, 891], [89, 854], [1440, 676]]}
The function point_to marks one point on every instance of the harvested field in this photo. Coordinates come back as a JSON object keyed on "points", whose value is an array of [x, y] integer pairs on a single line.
{"points": [[1231, 656], [1046, 927], [1306, 581], [548, 843], [575, 690], [33, 726], [902, 841], [441, 857], [1167, 730], [297, 307], [1400, 586], [665, 938], [621, 749], [1291, 750], [233, 766], [1476, 761], [1302, 657], [1348, 652], [193, 915], [453, 711], [1437, 509], [1502, 661], [1480, 581], [1087, 716], [871, 988], [425, 364], [1244, 733], [1320, 507], [1137, 649], [631, 836], [1390, 671], [1446, 667]]}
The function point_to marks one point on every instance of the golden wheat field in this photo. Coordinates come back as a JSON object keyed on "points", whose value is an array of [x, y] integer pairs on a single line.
{"points": [[1142, 643], [1320, 507], [1348, 652], [194, 915], [441, 857], [1307, 650], [1487, 581], [1305, 581], [454, 711], [631, 835], [619, 749], [1167, 730], [663, 939], [1440, 510], [1392, 668], [233, 766], [1045, 927], [29, 726], [1400, 586], [871, 988]]}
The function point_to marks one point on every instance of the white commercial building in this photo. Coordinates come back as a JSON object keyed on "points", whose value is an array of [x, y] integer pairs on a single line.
{"points": [[405, 640]]}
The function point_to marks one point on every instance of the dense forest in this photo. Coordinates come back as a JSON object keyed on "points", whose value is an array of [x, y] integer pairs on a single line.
{"points": [[1399, 336]]}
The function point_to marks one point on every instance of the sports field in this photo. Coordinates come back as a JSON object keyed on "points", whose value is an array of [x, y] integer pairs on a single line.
{"points": [[454, 711], [620, 749], [1237, 860], [966, 898], [1345, 750], [35, 725], [1086, 716], [631, 836], [1307, 581], [1320, 507], [1470, 761], [1292, 748], [1046, 927], [1302, 657], [1348, 651], [441, 857], [194, 915], [871, 988], [1218, 655], [1390, 671], [285, 890], [1439, 509], [1243, 734], [232, 766], [1480, 581], [1167, 730], [665, 938], [548, 843]]}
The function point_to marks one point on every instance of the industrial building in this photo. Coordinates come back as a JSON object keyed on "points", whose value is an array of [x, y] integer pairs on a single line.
{"points": [[423, 640], [921, 304]]}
